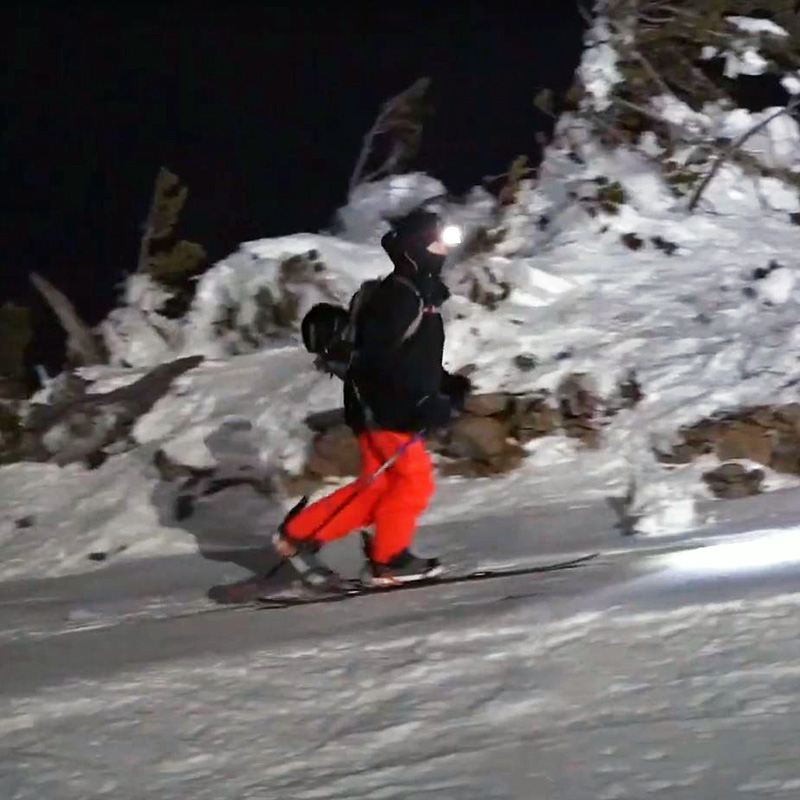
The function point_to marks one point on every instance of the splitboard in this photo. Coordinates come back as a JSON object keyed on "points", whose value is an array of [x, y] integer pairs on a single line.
{"points": [[306, 595]]}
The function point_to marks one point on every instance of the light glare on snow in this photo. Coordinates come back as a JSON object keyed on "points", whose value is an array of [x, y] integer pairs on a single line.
{"points": [[764, 549]]}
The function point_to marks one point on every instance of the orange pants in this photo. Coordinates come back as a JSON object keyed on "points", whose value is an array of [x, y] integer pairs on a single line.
{"points": [[392, 502]]}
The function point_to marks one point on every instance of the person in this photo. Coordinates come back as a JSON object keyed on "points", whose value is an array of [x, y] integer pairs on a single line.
{"points": [[395, 389]]}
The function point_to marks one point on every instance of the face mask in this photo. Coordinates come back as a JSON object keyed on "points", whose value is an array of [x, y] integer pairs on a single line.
{"points": [[408, 243], [430, 263]]}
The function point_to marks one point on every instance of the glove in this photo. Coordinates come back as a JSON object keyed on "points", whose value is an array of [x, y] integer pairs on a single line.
{"points": [[433, 411], [456, 387]]}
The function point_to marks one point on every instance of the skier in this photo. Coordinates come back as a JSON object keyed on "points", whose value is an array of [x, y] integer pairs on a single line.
{"points": [[395, 389]]}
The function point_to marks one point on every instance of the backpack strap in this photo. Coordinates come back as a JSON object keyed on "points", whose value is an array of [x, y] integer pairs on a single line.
{"points": [[423, 309]]}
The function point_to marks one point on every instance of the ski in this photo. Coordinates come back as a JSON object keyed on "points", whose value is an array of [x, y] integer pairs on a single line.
{"points": [[306, 595]]}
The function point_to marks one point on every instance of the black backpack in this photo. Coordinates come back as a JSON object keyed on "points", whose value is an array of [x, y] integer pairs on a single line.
{"points": [[329, 331]]}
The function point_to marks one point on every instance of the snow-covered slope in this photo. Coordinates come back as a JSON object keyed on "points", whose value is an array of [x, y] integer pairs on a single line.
{"points": [[641, 286], [585, 686]]}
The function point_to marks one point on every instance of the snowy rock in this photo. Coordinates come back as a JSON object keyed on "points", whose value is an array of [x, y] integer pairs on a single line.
{"points": [[324, 420], [135, 334], [477, 437], [484, 281], [648, 143], [82, 427], [258, 294], [486, 405], [747, 62], [745, 441], [335, 453], [627, 394], [580, 404], [532, 418], [665, 246], [525, 361], [731, 481], [768, 435], [776, 144], [171, 471], [632, 241]]}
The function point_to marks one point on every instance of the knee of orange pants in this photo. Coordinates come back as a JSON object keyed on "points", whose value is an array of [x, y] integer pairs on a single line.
{"points": [[411, 491], [399, 507]]}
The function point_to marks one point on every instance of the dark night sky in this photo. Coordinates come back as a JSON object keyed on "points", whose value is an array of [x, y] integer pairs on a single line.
{"points": [[259, 108]]}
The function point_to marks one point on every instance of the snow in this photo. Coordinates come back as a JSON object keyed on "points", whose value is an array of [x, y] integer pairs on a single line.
{"points": [[776, 145], [766, 548], [742, 56], [694, 701], [135, 333], [748, 61], [778, 286], [598, 69], [76, 513], [757, 26], [667, 667], [237, 281], [791, 82], [363, 218], [580, 302]]}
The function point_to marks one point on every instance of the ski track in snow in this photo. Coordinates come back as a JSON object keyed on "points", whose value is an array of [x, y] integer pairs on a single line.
{"points": [[611, 705]]}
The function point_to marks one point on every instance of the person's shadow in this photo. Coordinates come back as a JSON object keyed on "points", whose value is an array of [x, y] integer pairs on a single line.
{"points": [[231, 510]]}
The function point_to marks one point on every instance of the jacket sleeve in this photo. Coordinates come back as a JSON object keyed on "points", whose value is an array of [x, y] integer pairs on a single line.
{"points": [[456, 387]]}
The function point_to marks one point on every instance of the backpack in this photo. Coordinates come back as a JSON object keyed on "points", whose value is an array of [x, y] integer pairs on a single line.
{"points": [[329, 331]]}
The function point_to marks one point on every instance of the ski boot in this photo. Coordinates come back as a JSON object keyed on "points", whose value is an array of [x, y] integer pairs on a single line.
{"points": [[405, 567]]}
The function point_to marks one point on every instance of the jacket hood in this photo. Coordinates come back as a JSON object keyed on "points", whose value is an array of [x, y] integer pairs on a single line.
{"points": [[408, 241]]}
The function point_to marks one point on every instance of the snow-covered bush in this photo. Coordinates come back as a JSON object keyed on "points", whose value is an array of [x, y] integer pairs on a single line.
{"points": [[663, 77], [363, 219], [145, 329], [260, 293], [137, 333]]}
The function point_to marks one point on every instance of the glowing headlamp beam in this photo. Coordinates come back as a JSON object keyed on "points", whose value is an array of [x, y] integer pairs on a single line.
{"points": [[451, 235]]}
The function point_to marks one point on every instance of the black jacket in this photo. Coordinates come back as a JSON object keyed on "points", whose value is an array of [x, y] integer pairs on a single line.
{"points": [[393, 384]]}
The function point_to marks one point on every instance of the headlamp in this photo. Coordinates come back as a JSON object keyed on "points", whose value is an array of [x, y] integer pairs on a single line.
{"points": [[451, 235]]}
